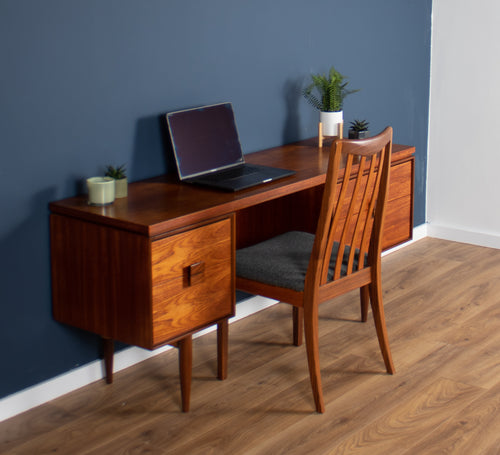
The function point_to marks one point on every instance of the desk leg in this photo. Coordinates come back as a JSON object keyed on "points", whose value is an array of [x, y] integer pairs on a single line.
{"points": [[222, 348], [185, 366], [108, 352]]}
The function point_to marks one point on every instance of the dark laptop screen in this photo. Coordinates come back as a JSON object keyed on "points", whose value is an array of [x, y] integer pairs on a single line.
{"points": [[204, 139]]}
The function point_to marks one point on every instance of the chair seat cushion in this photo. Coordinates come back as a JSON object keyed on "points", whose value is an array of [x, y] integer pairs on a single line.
{"points": [[283, 260]]}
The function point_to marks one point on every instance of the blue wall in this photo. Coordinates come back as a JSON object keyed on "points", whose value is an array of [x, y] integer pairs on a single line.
{"points": [[83, 83]]}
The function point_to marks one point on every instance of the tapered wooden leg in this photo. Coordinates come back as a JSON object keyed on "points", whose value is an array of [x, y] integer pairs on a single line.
{"points": [[379, 317], [312, 349], [364, 293], [185, 367], [298, 324], [222, 348], [108, 350]]}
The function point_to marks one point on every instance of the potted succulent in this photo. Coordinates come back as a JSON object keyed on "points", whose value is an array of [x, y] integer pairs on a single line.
{"points": [[327, 93], [120, 177], [359, 129]]}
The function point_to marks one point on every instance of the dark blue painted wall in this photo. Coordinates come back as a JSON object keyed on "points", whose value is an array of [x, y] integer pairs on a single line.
{"points": [[83, 83]]}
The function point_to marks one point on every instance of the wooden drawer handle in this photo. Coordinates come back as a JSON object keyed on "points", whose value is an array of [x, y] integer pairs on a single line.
{"points": [[196, 273]]}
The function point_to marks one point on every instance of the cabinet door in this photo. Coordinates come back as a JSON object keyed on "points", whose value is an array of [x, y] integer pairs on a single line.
{"points": [[193, 284]]}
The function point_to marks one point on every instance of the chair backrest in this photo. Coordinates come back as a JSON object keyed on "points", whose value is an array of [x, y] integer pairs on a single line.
{"points": [[351, 218]]}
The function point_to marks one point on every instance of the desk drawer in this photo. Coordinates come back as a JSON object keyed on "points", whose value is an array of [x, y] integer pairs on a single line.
{"points": [[401, 181], [192, 275], [397, 225]]}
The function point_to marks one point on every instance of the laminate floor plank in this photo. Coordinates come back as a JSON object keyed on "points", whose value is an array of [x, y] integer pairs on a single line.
{"points": [[474, 430], [442, 303], [419, 415], [358, 404]]}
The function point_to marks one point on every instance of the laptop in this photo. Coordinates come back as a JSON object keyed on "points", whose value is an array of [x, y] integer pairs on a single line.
{"points": [[207, 150]]}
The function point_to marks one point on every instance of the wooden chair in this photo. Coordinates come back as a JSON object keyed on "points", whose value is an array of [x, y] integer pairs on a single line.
{"points": [[304, 269]]}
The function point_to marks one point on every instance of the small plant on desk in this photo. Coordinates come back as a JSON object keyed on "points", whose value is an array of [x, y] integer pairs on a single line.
{"points": [[121, 184], [116, 173], [359, 129]]}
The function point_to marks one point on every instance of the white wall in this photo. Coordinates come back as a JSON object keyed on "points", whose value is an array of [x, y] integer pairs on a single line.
{"points": [[464, 150]]}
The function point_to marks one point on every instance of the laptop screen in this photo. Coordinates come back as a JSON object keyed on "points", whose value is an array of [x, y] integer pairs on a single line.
{"points": [[204, 139]]}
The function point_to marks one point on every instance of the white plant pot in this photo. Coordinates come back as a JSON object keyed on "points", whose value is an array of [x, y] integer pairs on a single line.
{"points": [[101, 190], [331, 121]]}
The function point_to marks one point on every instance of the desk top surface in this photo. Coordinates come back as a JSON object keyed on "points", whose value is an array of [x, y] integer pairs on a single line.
{"points": [[162, 204]]}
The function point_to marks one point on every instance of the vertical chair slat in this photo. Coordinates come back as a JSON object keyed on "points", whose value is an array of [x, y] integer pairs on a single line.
{"points": [[317, 262], [344, 239], [340, 253], [351, 240], [371, 209], [330, 233], [368, 198]]}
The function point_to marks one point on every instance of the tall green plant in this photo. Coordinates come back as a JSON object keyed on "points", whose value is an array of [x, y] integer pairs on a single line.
{"points": [[327, 93]]}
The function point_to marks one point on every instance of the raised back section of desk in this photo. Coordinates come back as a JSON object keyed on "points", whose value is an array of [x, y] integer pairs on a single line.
{"points": [[300, 209]]}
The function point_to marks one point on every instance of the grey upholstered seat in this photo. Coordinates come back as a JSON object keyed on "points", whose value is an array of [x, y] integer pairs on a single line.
{"points": [[283, 260]]}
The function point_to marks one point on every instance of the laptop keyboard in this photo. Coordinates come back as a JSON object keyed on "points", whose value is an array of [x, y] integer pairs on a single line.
{"points": [[236, 172]]}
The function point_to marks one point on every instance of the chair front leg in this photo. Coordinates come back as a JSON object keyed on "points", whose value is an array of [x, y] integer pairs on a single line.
{"points": [[379, 317], [312, 350]]}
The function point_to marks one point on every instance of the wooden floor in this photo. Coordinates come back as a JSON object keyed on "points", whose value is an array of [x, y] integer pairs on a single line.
{"points": [[442, 303]]}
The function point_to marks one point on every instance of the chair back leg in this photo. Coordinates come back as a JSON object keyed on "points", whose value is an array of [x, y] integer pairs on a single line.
{"points": [[364, 293], [298, 325]]}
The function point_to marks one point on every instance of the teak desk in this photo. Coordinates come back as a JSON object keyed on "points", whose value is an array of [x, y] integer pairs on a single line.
{"points": [[155, 267]]}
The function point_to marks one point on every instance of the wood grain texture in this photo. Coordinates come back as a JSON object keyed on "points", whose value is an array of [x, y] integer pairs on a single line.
{"points": [[99, 279], [442, 302], [183, 302]]}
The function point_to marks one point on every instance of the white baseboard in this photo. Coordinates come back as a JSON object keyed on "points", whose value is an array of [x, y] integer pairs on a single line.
{"points": [[60, 385], [72, 380], [419, 232], [464, 236]]}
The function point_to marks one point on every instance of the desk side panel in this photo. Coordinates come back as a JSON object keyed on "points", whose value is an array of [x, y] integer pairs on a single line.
{"points": [[100, 279]]}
